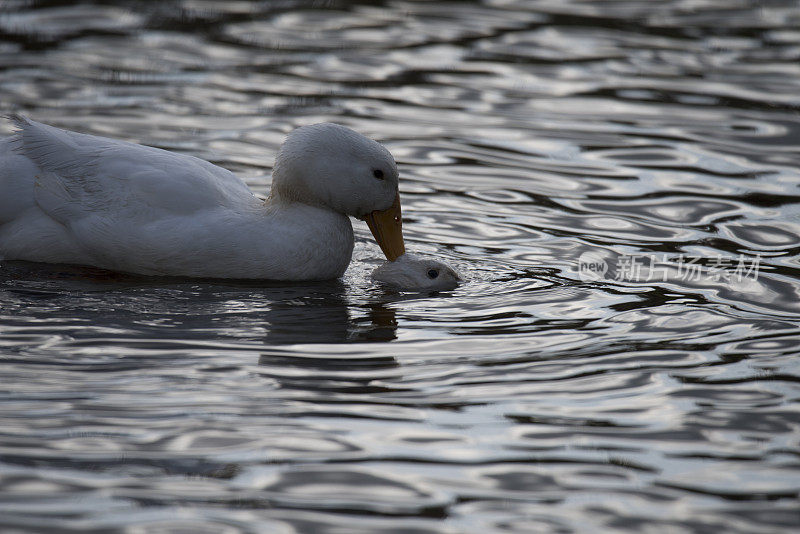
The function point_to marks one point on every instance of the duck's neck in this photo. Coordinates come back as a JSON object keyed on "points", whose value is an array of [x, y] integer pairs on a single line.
{"points": [[303, 241], [286, 188]]}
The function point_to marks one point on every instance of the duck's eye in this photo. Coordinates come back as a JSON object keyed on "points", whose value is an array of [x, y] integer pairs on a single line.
{"points": [[377, 173], [433, 273]]}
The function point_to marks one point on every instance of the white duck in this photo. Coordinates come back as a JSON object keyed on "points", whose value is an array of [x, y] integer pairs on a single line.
{"points": [[67, 197], [411, 272]]}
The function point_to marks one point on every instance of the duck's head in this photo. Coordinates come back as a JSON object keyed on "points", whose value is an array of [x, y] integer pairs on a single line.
{"points": [[413, 272], [333, 166]]}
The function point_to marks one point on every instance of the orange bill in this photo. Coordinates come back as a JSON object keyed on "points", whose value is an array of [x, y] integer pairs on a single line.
{"points": [[387, 227]]}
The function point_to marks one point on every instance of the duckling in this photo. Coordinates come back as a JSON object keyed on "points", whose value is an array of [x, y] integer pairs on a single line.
{"points": [[416, 273]]}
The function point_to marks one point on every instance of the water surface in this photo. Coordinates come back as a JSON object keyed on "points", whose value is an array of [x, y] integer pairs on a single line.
{"points": [[537, 397]]}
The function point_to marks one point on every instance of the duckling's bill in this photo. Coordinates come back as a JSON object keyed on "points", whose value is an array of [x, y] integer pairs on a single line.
{"points": [[387, 227]]}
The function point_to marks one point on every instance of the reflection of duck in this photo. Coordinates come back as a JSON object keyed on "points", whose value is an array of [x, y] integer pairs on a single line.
{"points": [[274, 313], [326, 318], [315, 313], [320, 313], [73, 198]]}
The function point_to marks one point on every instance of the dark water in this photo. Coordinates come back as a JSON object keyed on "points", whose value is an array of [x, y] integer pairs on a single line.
{"points": [[537, 397]]}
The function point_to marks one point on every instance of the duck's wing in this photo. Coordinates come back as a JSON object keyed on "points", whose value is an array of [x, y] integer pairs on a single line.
{"points": [[88, 176]]}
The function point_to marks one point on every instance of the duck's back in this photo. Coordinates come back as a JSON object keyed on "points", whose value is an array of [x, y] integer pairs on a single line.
{"points": [[98, 172], [67, 197]]}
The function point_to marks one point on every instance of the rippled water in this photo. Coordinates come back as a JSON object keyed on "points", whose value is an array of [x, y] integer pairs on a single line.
{"points": [[537, 397]]}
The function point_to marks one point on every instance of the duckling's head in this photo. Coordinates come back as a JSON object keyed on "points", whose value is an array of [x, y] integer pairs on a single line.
{"points": [[333, 166], [413, 272]]}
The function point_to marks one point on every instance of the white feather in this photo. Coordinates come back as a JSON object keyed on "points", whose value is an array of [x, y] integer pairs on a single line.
{"points": [[67, 197]]}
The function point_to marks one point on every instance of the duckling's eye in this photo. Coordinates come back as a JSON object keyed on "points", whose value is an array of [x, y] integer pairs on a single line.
{"points": [[377, 173], [433, 273]]}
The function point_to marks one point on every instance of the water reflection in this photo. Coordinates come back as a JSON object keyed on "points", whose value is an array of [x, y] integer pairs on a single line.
{"points": [[272, 313], [530, 399]]}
